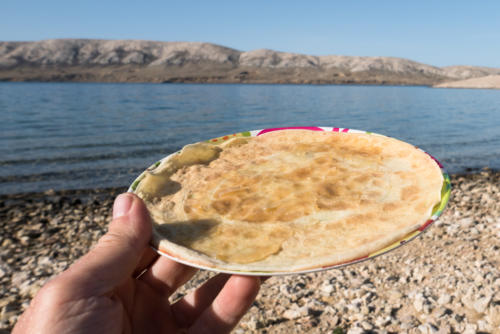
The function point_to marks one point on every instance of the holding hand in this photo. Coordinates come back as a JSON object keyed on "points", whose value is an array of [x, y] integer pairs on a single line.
{"points": [[123, 286]]}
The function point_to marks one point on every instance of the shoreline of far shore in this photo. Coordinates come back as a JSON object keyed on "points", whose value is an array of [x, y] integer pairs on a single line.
{"points": [[447, 279], [461, 84]]}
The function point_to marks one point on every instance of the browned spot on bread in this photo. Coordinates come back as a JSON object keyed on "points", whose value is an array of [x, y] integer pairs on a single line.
{"points": [[327, 190], [321, 160], [365, 201], [331, 205], [408, 193], [250, 234], [362, 178], [301, 173], [360, 219], [291, 214], [234, 192], [298, 186], [390, 206], [373, 194], [222, 206], [257, 215]]}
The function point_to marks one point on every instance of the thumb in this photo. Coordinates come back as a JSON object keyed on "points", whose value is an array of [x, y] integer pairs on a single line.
{"points": [[112, 261]]}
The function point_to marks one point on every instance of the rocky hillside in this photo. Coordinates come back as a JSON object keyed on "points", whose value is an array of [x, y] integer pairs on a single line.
{"points": [[148, 61]]}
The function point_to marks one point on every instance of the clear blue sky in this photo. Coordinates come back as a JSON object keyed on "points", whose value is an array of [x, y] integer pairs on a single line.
{"points": [[434, 32]]}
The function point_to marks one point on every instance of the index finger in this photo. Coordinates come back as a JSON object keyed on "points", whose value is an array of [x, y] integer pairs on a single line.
{"points": [[165, 275]]}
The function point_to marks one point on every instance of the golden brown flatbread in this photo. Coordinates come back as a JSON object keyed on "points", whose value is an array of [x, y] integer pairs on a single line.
{"points": [[289, 200]]}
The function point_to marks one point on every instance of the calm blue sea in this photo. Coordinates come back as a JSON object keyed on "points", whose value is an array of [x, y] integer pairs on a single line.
{"points": [[81, 135]]}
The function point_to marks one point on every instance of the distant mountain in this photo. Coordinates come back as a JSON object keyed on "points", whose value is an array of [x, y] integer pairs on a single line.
{"points": [[147, 61]]}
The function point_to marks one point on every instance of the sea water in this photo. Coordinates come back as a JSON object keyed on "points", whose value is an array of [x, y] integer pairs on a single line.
{"points": [[88, 135]]}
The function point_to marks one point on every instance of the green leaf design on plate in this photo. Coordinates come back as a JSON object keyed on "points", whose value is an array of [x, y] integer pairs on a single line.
{"points": [[445, 195], [135, 184], [219, 140]]}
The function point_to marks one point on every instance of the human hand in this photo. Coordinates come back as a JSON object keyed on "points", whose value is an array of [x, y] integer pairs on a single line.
{"points": [[101, 294]]}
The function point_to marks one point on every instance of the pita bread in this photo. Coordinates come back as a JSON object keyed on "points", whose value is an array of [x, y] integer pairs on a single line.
{"points": [[289, 201]]}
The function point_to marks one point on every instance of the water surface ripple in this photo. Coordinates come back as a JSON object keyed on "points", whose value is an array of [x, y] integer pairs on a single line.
{"points": [[84, 135]]}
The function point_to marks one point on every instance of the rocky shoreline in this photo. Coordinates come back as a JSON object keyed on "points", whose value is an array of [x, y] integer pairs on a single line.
{"points": [[446, 281]]}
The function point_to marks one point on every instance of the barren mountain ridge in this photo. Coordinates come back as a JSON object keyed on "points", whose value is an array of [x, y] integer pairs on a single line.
{"points": [[149, 61]]}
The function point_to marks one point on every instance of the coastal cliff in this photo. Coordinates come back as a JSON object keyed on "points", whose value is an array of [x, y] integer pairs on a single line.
{"points": [[88, 60]]}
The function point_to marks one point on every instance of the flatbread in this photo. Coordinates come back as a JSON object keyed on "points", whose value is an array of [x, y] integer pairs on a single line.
{"points": [[289, 200]]}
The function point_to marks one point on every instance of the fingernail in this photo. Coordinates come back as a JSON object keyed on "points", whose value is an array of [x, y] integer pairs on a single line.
{"points": [[122, 205]]}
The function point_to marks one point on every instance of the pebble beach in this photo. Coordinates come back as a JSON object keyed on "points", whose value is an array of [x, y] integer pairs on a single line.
{"points": [[445, 281]]}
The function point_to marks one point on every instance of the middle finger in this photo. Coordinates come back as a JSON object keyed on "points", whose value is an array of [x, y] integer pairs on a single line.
{"points": [[148, 257]]}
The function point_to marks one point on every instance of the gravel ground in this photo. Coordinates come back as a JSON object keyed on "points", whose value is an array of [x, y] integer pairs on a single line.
{"points": [[445, 281]]}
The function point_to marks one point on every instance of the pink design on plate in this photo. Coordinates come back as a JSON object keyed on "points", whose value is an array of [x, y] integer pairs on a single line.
{"points": [[438, 163], [312, 128]]}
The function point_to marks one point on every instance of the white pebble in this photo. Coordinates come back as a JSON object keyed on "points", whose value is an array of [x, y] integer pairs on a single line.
{"points": [[481, 304], [327, 289], [444, 299], [470, 329], [295, 313], [366, 325], [418, 303], [355, 330]]}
